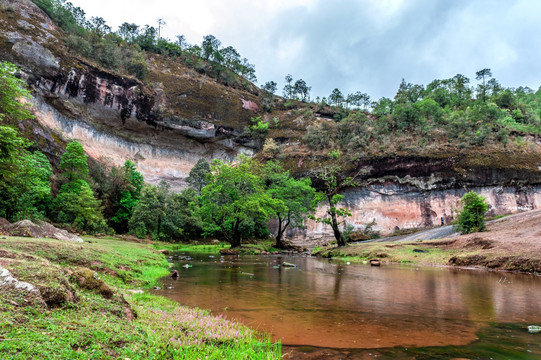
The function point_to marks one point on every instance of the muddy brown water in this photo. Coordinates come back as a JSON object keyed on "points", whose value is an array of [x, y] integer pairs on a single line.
{"points": [[322, 304]]}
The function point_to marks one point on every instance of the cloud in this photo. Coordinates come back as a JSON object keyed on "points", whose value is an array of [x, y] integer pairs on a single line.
{"points": [[367, 45]]}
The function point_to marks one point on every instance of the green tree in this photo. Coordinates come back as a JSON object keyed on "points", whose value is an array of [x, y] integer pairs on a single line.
{"points": [[74, 162], [482, 88], [333, 181], [270, 86], [209, 46], [298, 199], [34, 186], [234, 201], [24, 176], [126, 193], [150, 211], [472, 216], [182, 219], [77, 206], [302, 89], [198, 175], [288, 88], [336, 98]]}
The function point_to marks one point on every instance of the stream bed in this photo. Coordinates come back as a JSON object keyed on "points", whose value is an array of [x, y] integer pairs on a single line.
{"points": [[323, 309]]}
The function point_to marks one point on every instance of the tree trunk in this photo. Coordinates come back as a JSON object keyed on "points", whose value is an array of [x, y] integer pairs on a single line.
{"points": [[279, 244], [236, 236], [336, 230]]}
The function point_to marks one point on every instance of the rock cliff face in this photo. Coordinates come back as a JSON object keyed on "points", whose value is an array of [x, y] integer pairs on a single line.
{"points": [[396, 207], [165, 129], [166, 124]]}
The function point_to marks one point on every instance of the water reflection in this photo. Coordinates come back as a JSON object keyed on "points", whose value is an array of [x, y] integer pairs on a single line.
{"points": [[326, 304]]}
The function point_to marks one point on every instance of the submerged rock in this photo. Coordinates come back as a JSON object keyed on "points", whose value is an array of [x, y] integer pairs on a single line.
{"points": [[290, 265], [534, 329]]}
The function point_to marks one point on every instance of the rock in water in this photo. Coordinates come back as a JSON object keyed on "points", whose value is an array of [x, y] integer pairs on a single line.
{"points": [[286, 264], [534, 329]]}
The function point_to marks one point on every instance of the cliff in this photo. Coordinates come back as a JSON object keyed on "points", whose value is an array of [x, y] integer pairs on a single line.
{"points": [[180, 115]]}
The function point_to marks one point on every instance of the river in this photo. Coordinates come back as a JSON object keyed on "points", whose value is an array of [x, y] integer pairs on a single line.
{"points": [[326, 309]]}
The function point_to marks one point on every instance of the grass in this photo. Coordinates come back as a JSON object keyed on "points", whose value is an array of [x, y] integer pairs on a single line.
{"points": [[246, 249], [432, 252], [73, 321]]}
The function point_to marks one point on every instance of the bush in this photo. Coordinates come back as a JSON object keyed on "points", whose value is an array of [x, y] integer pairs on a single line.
{"points": [[472, 217]]}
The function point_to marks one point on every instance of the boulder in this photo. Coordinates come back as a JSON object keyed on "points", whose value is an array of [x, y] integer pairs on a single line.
{"points": [[41, 229], [90, 280], [9, 283]]}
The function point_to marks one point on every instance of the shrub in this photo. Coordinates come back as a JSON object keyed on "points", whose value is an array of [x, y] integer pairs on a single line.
{"points": [[472, 217]]}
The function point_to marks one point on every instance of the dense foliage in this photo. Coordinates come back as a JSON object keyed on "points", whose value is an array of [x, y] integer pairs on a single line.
{"points": [[447, 111], [125, 49], [24, 175]]}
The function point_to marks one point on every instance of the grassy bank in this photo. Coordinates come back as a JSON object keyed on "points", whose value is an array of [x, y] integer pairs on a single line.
{"points": [[449, 252], [245, 249], [90, 306]]}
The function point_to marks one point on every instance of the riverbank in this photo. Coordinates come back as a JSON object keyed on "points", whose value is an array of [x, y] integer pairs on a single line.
{"points": [[512, 243], [63, 300]]}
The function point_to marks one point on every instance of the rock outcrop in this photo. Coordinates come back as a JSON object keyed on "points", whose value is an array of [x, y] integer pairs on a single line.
{"points": [[41, 229]]}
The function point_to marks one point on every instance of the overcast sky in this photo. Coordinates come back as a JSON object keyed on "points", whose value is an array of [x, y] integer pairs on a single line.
{"points": [[355, 45]]}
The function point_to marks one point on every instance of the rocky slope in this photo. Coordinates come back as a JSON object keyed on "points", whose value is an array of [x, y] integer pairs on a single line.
{"points": [[178, 116]]}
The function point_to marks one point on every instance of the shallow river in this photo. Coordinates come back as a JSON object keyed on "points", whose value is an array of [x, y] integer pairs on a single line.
{"points": [[321, 307]]}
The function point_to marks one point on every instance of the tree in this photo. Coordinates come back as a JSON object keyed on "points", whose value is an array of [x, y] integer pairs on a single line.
{"points": [[33, 186], [288, 88], [270, 86], [408, 93], [472, 216], [333, 181], [74, 162], [128, 32], [482, 74], [297, 196], [11, 90], [336, 98], [77, 206], [197, 176], [302, 90], [209, 46], [24, 176], [161, 23], [150, 211], [181, 42], [234, 201], [127, 186], [98, 26], [461, 92], [230, 56], [182, 218]]}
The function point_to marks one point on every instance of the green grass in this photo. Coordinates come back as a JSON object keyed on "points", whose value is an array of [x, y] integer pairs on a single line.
{"points": [[420, 252], [79, 323]]}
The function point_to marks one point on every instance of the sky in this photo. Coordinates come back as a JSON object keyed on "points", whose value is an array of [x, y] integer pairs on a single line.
{"points": [[355, 45]]}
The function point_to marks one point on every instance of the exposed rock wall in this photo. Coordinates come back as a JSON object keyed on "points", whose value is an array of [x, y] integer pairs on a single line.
{"points": [[395, 207]]}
